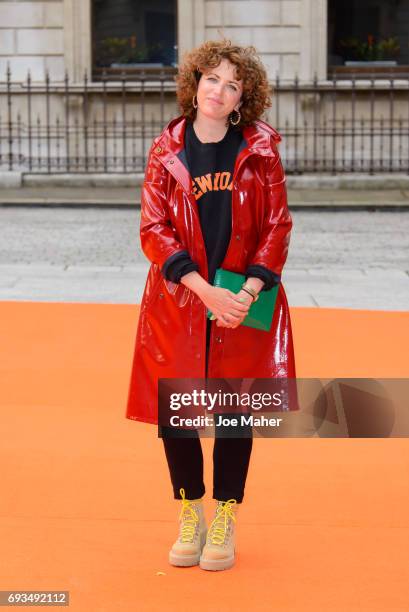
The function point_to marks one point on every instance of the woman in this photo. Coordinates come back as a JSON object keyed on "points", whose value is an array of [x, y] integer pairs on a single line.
{"points": [[214, 196]]}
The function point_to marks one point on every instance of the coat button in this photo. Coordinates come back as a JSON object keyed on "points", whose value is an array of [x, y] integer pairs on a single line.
{"points": [[158, 150], [161, 295], [218, 339], [237, 236]]}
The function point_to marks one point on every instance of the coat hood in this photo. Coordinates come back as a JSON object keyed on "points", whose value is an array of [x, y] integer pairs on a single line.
{"points": [[259, 136]]}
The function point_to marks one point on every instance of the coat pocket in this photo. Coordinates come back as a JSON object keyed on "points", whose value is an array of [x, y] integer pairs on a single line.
{"points": [[156, 287]]}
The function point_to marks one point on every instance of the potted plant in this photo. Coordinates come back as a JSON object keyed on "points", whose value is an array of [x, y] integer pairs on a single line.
{"points": [[124, 53], [370, 52]]}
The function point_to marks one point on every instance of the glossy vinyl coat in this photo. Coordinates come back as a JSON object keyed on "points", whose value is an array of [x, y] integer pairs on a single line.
{"points": [[171, 335]]}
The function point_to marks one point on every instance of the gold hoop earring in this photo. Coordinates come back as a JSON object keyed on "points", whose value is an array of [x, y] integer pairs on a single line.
{"points": [[193, 101], [238, 117]]}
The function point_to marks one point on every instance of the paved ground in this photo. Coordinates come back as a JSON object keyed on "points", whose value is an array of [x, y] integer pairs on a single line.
{"points": [[347, 259], [356, 198]]}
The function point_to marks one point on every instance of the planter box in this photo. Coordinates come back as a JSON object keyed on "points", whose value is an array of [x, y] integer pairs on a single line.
{"points": [[139, 65], [368, 64], [362, 70]]}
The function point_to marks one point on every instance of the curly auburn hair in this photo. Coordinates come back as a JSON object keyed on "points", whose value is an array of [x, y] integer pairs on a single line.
{"points": [[256, 90]]}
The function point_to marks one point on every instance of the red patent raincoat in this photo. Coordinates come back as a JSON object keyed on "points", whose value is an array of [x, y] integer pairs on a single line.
{"points": [[171, 336]]}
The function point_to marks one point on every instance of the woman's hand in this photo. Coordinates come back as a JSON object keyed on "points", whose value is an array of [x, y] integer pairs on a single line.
{"points": [[229, 308], [242, 297]]}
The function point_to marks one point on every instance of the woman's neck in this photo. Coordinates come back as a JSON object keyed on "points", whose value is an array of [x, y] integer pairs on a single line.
{"points": [[209, 130]]}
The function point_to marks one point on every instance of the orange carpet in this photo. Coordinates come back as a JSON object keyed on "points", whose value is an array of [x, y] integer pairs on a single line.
{"points": [[86, 504]]}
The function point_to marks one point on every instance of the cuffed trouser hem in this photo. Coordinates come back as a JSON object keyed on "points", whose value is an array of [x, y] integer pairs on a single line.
{"points": [[226, 495], [190, 493]]}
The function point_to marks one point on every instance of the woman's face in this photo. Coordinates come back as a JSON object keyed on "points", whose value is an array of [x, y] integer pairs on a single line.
{"points": [[219, 92]]}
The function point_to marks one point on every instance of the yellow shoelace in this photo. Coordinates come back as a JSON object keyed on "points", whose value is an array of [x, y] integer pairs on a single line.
{"points": [[218, 528], [189, 518]]}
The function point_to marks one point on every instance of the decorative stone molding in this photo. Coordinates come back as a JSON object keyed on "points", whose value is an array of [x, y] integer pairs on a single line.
{"points": [[77, 38], [191, 25], [314, 54]]}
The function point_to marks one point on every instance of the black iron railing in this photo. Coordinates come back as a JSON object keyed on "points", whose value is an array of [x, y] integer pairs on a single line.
{"points": [[107, 126]]}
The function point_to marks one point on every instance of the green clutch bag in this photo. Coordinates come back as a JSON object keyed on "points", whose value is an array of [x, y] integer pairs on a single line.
{"points": [[261, 312]]}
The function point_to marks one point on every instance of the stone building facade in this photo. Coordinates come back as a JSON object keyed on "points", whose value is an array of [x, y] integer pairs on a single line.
{"points": [[57, 37], [290, 35]]}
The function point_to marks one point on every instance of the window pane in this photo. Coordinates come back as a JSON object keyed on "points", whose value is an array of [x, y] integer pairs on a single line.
{"points": [[134, 32], [368, 30]]}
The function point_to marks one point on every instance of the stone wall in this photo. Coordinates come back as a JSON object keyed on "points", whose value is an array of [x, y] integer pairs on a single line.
{"points": [[32, 38], [272, 26]]}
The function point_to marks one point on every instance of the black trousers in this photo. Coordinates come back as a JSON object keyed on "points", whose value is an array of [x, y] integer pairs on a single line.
{"points": [[231, 458]]}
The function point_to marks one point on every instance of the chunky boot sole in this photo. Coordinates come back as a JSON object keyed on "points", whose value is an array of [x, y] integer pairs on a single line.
{"points": [[183, 560], [180, 560], [217, 564]]}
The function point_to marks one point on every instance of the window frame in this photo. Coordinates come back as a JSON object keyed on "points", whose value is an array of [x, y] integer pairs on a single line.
{"points": [[114, 74], [341, 71]]}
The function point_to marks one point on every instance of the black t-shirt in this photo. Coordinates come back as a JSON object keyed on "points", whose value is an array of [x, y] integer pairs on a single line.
{"points": [[211, 167]]}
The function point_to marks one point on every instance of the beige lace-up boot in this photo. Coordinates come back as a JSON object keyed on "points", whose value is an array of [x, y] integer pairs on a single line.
{"points": [[192, 534], [218, 552]]}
